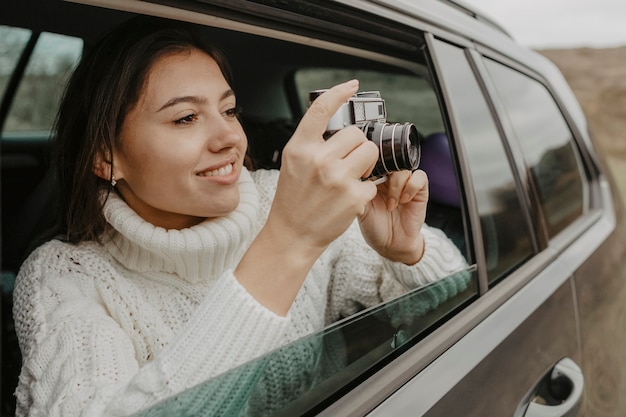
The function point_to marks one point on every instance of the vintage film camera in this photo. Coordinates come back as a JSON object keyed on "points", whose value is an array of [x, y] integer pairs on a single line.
{"points": [[398, 144]]}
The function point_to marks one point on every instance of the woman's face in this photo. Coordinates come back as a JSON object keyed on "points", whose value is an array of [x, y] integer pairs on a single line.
{"points": [[181, 148]]}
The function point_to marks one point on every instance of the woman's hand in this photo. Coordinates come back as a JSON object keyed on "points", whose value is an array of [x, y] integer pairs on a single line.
{"points": [[319, 194], [319, 191], [392, 221]]}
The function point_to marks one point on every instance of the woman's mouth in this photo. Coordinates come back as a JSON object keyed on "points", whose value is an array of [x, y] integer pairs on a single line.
{"points": [[218, 172]]}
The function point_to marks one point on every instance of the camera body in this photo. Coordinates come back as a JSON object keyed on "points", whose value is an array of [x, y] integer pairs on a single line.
{"points": [[398, 144], [360, 109]]}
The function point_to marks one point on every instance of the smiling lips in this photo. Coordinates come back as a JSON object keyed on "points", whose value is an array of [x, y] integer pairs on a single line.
{"points": [[222, 171]]}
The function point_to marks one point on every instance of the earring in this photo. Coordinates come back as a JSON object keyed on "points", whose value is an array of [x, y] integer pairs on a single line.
{"points": [[113, 182]]}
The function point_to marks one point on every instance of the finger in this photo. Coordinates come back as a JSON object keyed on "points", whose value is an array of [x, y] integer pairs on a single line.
{"points": [[360, 161], [368, 191], [345, 141], [396, 187], [417, 186], [315, 120]]}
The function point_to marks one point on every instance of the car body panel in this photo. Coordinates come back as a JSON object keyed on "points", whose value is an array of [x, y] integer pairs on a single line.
{"points": [[489, 371]]}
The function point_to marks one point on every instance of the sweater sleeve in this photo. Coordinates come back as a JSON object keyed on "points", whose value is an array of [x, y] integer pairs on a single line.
{"points": [[78, 361], [362, 278]]}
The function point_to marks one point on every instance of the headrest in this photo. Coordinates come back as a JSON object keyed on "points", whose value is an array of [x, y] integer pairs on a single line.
{"points": [[436, 160]]}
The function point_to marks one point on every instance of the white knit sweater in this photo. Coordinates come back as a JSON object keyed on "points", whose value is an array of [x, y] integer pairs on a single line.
{"points": [[111, 328]]}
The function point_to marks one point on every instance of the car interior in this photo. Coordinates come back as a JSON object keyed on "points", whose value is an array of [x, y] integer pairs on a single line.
{"points": [[265, 73]]}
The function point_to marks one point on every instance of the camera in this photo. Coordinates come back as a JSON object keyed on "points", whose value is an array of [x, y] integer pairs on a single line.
{"points": [[398, 144]]}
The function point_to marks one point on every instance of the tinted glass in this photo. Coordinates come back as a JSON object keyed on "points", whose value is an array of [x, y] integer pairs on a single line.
{"points": [[315, 370], [37, 98], [506, 237], [547, 144]]}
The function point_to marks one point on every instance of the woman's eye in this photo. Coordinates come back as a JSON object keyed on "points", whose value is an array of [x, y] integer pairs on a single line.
{"points": [[234, 112], [186, 120]]}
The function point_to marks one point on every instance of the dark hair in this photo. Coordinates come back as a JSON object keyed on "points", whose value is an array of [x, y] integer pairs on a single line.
{"points": [[103, 89]]}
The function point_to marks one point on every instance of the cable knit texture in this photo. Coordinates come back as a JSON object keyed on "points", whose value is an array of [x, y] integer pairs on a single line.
{"points": [[112, 328]]}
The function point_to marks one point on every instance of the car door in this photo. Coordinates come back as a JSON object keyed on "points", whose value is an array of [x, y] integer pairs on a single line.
{"points": [[524, 357]]}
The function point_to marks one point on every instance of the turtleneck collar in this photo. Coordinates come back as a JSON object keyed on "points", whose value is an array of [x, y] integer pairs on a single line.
{"points": [[199, 253]]}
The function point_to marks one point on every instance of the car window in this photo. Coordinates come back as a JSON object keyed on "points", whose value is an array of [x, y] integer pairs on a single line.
{"points": [[34, 106], [12, 43], [305, 376], [505, 230], [547, 144]]}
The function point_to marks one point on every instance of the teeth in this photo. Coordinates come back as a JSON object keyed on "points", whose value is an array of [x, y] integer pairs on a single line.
{"points": [[225, 170]]}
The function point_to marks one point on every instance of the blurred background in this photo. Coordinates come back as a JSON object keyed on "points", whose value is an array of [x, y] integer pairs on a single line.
{"points": [[587, 41]]}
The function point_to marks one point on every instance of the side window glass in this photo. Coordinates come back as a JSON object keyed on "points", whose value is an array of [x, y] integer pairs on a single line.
{"points": [[12, 43], [37, 98], [307, 375], [547, 144], [506, 233]]}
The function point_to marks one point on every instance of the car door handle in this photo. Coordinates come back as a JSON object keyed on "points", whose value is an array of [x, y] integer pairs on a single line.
{"points": [[558, 394]]}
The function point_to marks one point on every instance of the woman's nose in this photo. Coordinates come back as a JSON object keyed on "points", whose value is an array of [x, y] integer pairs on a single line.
{"points": [[224, 134]]}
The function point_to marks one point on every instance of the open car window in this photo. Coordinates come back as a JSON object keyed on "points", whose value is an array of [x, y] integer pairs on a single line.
{"points": [[312, 372], [308, 374]]}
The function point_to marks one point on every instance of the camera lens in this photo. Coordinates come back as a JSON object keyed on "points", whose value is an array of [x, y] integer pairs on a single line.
{"points": [[398, 146]]}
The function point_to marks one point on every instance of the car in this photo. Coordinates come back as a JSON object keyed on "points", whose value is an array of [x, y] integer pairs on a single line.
{"points": [[516, 183]]}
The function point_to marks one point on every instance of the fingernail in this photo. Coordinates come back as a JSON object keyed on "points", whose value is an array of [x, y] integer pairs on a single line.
{"points": [[353, 83], [391, 204], [405, 198]]}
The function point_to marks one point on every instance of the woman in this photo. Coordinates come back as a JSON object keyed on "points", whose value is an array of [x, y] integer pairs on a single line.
{"points": [[178, 263]]}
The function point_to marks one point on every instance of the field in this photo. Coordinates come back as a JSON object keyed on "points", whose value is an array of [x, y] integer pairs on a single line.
{"points": [[598, 78]]}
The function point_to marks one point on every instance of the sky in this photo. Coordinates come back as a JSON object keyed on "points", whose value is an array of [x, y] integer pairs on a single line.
{"points": [[545, 24]]}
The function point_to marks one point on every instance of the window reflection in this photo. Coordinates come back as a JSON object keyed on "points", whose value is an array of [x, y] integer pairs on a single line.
{"points": [[506, 237], [306, 375], [546, 142]]}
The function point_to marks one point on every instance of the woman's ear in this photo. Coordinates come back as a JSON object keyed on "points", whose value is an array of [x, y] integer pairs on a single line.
{"points": [[102, 168]]}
